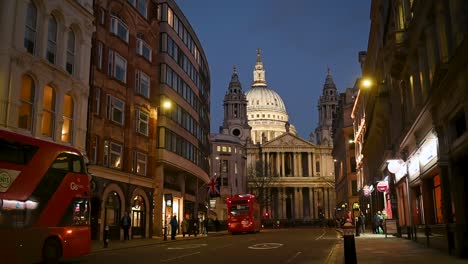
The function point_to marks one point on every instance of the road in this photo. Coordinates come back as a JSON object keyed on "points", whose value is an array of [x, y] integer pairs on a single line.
{"points": [[294, 245]]}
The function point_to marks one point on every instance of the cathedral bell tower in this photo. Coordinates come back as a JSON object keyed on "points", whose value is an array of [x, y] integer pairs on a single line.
{"points": [[327, 105], [235, 111]]}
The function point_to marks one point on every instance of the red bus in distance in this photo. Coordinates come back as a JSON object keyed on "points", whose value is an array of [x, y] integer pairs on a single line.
{"points": [[243, 214], [44, 201]]}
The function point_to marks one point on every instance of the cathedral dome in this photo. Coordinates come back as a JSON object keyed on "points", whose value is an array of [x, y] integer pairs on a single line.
{"points": [[266, 112], [263, 99]]}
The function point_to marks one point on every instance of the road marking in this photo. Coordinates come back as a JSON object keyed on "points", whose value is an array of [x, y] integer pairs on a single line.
{"points": [[178, 257], [188, 246], [293, 257], [320, 236], [266, 246]]}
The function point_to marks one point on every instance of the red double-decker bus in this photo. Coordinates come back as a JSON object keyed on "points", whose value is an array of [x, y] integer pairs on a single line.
{"points": [[44, 201], [243, 214]]}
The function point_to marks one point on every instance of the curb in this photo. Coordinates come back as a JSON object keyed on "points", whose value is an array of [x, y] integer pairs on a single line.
{"points": [[155, 241]]}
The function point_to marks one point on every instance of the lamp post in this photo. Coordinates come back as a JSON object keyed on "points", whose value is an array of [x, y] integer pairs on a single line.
{"points": [[158, 177]]}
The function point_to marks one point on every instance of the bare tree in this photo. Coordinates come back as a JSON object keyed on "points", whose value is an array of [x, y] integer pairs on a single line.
{"points": [[259, 183]]}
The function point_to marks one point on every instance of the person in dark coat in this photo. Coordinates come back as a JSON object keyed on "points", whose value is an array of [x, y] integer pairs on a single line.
{"points": [[125, 223], [174, 227]]}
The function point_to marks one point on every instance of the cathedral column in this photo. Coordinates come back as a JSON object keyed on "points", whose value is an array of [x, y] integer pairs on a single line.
{"points": [[278, 160], [282, 164], [299, 164], [313, 204], [296, 203], [326, 202], [296, 165], [284, 202], [301, 203], [309, 161]]}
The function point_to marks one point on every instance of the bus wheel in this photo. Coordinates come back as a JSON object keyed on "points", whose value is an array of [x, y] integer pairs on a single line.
{"points": [[52, 251]]}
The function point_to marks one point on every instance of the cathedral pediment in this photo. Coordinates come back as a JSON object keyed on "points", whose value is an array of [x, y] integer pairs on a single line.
{"points": [[288, 140]]}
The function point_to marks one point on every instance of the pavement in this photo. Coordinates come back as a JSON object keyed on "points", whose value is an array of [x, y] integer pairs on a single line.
{"points": [[376, 248], [98, 246]]}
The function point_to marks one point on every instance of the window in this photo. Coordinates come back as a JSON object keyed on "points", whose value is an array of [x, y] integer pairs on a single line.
{"points": [[70, 65], [106, 153], [142, 84], [142, 7], [48, 112], [143, 49], [142, 122], [117, 66], [170, 17], [16, 152], [67, 127], [116, 156], [139, 163], [99, 55], [119, 28], [97, 101], [77, 213], [438, 200], [31, 28], [115, 109], [354, 190], [51, 54], [102, 16], [26, 104], [94, 149], [224, 166]]}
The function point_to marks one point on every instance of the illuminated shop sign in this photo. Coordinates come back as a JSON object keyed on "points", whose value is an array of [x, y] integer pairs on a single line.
{"points": [[428, 151], [413, 166]]}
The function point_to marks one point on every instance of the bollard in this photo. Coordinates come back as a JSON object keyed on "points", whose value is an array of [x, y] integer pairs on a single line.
{"points": [[106, 236], [349, 245], [165, 233]]}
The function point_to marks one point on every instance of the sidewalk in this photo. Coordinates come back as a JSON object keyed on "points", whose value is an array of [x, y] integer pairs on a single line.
{"points": [[98, 246], [375, 249]]}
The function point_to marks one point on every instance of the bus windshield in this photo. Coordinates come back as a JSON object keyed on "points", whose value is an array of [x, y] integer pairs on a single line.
{"points": [[239, 209]]}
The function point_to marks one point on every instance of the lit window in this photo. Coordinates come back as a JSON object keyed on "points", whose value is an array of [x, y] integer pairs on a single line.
{"points": [[170, 17], [31, 28], [116, 156], [51, 54], [143, 49], [67, 127], [26, 107], [140, 163], [142, 84], [115, 109], [119, 28], [48, 112], [218, 148], [142, 122], [117, 66], [70, 66]]}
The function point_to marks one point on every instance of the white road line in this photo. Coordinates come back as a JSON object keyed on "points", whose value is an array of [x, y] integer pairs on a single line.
{"points": [[181, 256], [293, 257], [320, 237]]}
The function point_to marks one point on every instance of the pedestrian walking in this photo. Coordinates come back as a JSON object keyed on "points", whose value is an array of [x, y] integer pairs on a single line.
{"points": [[185, 227], [363, 222], [205, 226], [125, 223], [174, 227]]}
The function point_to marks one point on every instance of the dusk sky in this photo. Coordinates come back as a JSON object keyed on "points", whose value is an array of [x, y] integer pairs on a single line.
{"points": [[298, 39]]}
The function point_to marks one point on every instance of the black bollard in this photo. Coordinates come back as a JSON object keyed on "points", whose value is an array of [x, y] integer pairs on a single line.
{"points": [[106, 236], [165, 233], [349, 245]]}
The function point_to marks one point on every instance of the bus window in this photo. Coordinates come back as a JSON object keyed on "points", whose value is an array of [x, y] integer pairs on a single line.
{"points": [[17, 153], [77, 213], [239, 209], [16, 214]]}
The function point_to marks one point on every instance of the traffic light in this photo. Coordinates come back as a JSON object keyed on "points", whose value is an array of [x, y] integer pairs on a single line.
{"points": [[266, 214]]}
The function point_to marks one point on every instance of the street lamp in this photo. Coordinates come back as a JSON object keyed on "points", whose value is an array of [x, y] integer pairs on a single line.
{"points": [[366, 83]]}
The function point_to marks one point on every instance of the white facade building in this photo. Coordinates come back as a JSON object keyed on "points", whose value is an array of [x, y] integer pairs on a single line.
{"points": [[44, 68]]}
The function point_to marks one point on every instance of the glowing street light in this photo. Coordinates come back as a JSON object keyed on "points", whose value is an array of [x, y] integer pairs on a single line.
{"points": [[366, 83]]}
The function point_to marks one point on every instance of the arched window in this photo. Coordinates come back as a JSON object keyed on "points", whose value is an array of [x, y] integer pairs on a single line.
{"points": [[31, 28], [48, 112], [26, 107], [52, 40], [70, 64], [67, 128]]}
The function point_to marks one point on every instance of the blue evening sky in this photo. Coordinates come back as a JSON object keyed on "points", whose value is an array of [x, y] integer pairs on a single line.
{"points": [[298, 39]]}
